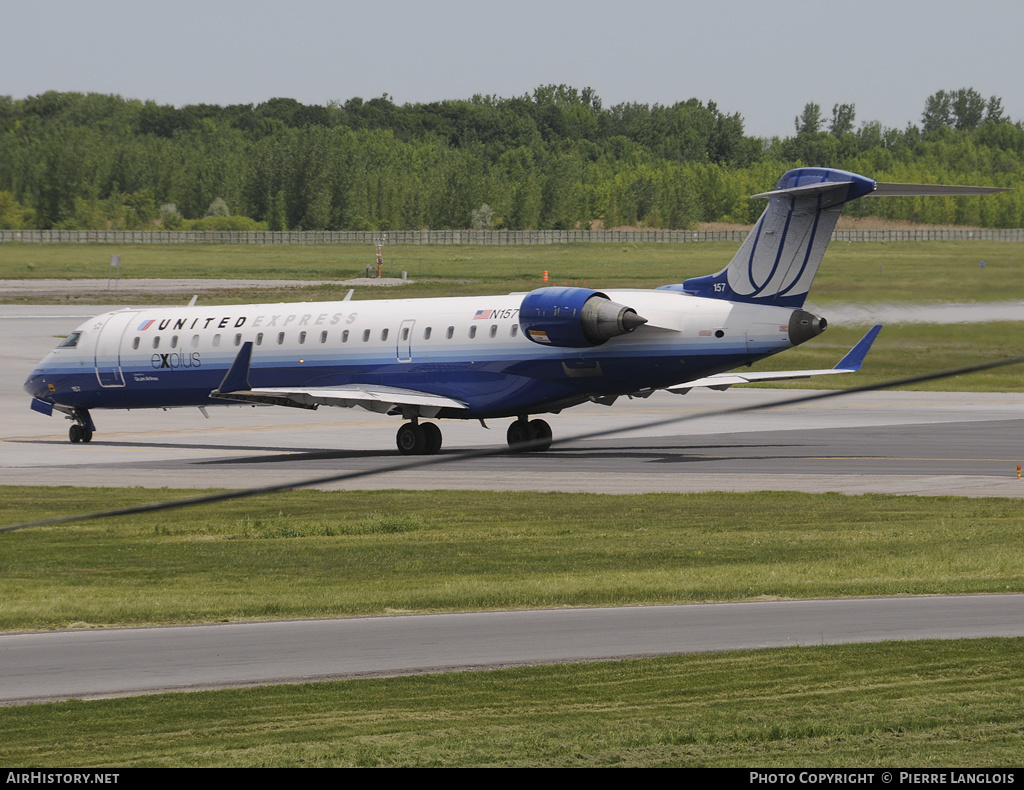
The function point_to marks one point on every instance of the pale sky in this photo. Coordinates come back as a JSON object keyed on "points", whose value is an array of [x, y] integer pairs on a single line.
{"points": [[764, 60]]}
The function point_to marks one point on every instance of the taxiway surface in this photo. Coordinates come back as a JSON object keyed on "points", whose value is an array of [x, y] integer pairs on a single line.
{"points": [[119, 662]]}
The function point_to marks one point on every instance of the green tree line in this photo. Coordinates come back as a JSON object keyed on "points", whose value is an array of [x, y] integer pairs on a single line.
{"points": [[553, 159]]}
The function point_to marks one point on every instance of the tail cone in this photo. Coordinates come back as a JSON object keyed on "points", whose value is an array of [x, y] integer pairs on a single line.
{"points": [[803, 326]]}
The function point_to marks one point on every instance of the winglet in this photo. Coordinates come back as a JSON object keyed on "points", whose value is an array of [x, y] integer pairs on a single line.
{"points": [[237, 378], [855, 358]]}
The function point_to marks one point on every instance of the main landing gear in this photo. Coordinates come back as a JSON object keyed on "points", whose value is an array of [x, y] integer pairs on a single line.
{"points": [[524, 435], [524, 431], [416, 439]]}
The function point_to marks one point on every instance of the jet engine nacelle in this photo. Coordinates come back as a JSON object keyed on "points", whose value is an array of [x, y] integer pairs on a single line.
{"points": [[574, 317]]}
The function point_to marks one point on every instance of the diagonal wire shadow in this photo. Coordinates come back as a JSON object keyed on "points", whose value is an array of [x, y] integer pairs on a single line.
{"points": [[440, 460]]}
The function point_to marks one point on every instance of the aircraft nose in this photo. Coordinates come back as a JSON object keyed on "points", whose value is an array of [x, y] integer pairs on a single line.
{"points": [[35, 385]]}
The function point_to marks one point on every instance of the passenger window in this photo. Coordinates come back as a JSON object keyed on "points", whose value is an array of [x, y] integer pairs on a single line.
{"points": [[515, 330], [472, 331], [302, 338], [344, 336], [156, 341], [174, 341], [451, 332], [405, 334], [135, 344], [216, 340], [259, 338], [195, 341], [238, 339], [384, 334], [280, 338], [366, 335], [323, 336], [426, 333], [494, 330]]}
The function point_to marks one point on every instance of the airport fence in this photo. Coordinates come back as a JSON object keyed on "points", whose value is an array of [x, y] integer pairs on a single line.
{"points": [[481, 237]]}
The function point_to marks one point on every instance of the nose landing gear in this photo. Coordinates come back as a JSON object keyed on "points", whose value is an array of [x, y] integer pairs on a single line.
{"points": [[79, 433], [83, 427]]}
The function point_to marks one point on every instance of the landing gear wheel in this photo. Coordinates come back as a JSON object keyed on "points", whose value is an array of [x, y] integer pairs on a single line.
{"points": [[79, 433], [411, 439], [81, 427], [432, 436], [541, 432], [518, 434]]}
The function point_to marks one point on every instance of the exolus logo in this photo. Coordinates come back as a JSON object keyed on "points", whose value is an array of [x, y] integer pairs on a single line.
{"points": [[176, 360]]}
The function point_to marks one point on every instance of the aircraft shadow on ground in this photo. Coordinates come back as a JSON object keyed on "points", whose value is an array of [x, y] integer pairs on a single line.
{"points": [[298, 455], [669, 454], [170, 446], [641, 453]]}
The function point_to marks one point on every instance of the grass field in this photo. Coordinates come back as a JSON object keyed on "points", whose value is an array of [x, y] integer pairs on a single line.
{"points": [[325, 554], [920, 272], [923, 704], [906, 350], [945, 704]]}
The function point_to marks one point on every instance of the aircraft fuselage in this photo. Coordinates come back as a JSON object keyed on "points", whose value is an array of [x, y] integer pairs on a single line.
{"points": [[471, 349]]}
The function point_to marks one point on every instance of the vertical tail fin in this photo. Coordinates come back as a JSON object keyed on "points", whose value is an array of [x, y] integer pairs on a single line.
{"points": [[778, 260]]}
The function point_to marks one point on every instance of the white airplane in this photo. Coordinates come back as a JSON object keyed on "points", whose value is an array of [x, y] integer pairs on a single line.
{"points": [[475, 357]]}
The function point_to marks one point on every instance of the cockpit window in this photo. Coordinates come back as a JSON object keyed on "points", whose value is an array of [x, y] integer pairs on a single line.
{"points": [[71, 341]]}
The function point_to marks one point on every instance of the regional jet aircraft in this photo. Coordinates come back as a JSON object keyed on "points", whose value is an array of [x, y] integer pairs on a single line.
{"points": [[516, 355]]}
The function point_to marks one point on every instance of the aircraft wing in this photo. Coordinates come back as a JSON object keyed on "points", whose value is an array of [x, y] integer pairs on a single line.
{"points": [[368, 396], [851, 363], [382, 399]]}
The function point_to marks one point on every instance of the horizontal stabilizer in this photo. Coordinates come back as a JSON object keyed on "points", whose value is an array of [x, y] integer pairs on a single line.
{"points": [[851, 363], [806, 190], [883, 189]]}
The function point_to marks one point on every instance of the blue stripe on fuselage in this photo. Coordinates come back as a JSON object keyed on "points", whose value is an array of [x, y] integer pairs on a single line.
{"points": [[491, 387]]}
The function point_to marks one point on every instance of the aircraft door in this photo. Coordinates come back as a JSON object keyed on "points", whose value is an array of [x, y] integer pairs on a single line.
{"points": [[108, 349], [404, 340]]}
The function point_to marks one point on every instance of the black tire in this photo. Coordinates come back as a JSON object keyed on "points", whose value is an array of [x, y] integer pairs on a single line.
{"points": [[518, 434], [75, 433], [86, 435], [411, 439], [540, 431], [432, 435]]}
